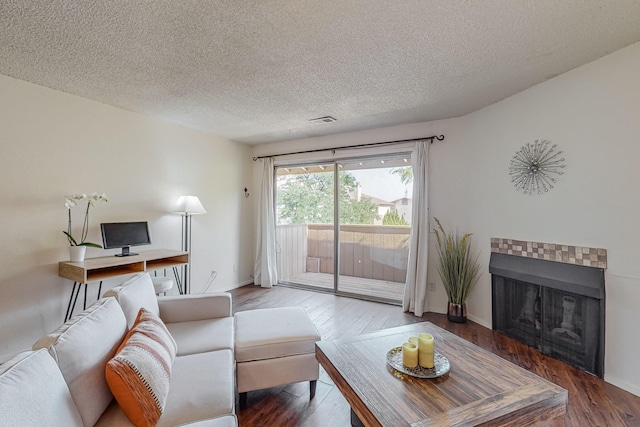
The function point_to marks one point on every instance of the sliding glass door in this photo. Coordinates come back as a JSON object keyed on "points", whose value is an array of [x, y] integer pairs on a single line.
{"points": [[304, 225], [364, 205], [374, 227]]}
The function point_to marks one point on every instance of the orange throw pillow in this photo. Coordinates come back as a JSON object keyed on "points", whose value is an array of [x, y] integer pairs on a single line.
{"points": [[140, 372]]}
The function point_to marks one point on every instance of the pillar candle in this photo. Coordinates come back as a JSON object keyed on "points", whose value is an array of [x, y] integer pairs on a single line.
{"points": [[425, 350], [410, 355], [414, 340]]}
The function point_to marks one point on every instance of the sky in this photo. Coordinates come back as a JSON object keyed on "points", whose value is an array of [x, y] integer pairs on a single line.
{"points": [[381, 183]]}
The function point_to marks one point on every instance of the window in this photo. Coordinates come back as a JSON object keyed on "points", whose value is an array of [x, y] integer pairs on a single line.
{"points": [[363, 205]]}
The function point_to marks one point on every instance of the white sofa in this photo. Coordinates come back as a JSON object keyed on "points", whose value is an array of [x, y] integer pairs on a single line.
{"points": [[62, 382]]}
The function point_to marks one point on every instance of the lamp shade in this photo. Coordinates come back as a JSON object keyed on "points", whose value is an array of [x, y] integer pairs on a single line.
{"points": [[189, 205]]}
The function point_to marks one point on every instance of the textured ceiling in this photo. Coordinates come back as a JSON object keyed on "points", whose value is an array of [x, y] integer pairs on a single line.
{"points": [[257, 71]]}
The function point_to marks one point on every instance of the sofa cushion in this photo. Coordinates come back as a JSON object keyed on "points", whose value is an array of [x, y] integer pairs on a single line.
{"points": [[34, 393], [82, 347], [202, 335], [202, 390], [188, 308], [133, 294], [274, 332], [140, 372], [202, 387]]}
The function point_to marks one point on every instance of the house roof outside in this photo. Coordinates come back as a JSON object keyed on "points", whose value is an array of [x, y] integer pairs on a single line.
{"points": [[401, 200], [376, 201]]}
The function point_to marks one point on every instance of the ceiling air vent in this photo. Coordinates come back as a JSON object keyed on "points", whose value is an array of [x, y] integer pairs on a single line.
{"points": [[325, 119]]}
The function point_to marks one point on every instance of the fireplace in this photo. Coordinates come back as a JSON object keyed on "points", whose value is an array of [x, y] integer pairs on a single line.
{"points": [[555, 307]]}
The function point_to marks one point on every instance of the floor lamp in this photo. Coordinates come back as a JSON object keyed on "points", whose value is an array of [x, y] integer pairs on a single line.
{"points": [[187, 206]]}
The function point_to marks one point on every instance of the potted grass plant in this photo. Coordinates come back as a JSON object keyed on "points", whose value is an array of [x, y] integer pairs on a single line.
{"points": [[458, 269]]}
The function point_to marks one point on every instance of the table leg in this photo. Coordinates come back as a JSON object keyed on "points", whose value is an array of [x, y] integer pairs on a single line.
{"points": [[84, 306], [69, 310], [178, 281], [99, 290], [75, 299]]}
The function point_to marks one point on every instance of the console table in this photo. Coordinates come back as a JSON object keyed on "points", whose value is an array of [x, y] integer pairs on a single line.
{"points": [[99, 269]]}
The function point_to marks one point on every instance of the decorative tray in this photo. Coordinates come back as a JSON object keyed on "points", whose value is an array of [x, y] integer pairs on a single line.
{"points": [[440, 365]]}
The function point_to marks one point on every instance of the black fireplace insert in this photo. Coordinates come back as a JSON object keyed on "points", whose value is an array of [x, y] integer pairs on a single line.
{"points": [[555, 307]]}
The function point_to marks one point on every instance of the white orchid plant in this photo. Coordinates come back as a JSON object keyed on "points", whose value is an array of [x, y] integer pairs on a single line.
{"points": [[71, 202]]}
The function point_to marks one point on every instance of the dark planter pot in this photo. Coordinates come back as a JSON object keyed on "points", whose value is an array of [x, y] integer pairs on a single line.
{"points": [[457, 312]]}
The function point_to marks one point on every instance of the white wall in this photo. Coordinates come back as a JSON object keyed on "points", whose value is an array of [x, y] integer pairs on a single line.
{"points": [[593, 114], [54, 144]]}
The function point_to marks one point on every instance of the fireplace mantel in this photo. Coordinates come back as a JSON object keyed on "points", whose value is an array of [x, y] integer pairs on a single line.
{"points": [[577, 279]]}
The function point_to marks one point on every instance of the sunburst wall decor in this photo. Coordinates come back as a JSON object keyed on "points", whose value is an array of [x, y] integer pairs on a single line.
{"points": [[533, 167]]}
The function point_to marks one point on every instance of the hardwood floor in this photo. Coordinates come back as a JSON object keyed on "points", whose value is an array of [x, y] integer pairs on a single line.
{"points": [[380, 289], [592, 402]]}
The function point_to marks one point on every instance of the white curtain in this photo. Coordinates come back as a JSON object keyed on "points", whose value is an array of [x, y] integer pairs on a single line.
{"points": [[264, 271], [415, 291]]}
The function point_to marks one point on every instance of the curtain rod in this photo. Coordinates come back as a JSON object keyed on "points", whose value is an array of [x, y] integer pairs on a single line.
{"points": [[345, 147]]}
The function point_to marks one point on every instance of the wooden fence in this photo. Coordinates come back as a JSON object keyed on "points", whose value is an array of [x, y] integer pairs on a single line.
{"points": [[368, 251]]}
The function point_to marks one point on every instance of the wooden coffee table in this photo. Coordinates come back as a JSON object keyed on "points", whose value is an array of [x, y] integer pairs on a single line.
{"points": [[480, 389]]}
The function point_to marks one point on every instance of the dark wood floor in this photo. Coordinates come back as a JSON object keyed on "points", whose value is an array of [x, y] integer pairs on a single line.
{"points": [[592, 402]]}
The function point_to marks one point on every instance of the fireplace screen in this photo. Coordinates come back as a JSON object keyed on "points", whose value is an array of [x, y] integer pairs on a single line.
{"points": [[520, 317], [566, 325]]}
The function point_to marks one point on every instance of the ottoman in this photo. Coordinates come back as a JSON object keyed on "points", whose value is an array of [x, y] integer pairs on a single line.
{"points": [[274, 347]]}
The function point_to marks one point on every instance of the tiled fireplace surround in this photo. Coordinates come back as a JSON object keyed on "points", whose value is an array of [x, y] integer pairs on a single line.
{"points": [[578, 255], [526, 272]]}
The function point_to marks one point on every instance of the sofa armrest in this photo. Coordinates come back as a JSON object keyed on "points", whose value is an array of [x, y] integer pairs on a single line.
{"points": [[186, 308]]}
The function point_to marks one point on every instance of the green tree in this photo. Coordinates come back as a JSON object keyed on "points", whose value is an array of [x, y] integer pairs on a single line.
{"points": [[405, 173], [393, 218], [308, 198]]}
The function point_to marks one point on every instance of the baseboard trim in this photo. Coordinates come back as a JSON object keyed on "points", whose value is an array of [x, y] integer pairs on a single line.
{"points": [[239, 285], [618, 382], [479, 321]]}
